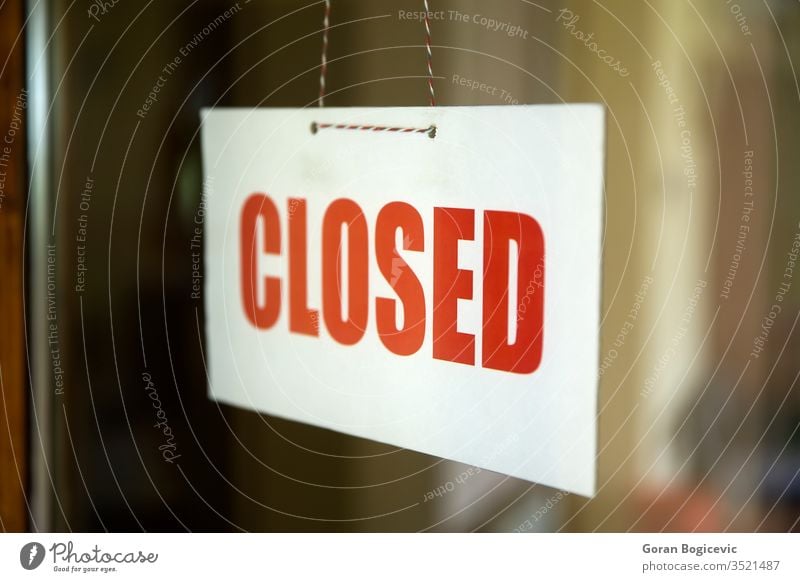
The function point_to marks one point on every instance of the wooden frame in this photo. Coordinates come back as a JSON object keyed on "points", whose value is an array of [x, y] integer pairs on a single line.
{"points": [[13, 182]]}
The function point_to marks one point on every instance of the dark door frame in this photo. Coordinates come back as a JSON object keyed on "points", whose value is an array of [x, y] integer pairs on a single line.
{"points": [[13, 189]]}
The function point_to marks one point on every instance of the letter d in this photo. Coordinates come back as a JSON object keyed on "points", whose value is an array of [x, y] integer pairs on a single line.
{"points": [[523, 354]]}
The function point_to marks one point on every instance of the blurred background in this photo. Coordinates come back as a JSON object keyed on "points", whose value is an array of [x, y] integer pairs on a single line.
{"points": [[699, 404]]}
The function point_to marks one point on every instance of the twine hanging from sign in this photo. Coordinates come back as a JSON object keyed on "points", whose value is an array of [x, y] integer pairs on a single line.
{"points": [[323, 70], [315, 126], [429, 54]]}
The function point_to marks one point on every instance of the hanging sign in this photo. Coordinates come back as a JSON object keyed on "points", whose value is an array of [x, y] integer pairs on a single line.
{"points": [[424, 277]]}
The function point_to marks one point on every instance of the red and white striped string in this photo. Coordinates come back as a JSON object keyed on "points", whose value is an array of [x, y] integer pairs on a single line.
{"points": [[430, 130], [326, 23], [315, 126], [430, 54]]}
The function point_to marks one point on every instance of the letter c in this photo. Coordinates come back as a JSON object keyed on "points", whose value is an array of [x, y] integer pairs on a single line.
{"points": [[259, 207]]}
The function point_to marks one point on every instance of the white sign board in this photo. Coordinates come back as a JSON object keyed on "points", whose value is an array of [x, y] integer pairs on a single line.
{"points": [[435, 292]]}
